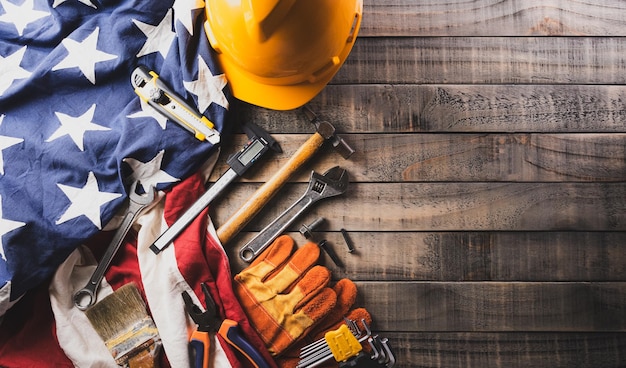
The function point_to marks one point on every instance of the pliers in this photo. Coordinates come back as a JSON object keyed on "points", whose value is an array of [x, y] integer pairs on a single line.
{"points": [[208, 322]]}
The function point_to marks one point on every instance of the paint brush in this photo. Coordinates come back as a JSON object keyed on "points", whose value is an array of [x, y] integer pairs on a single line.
{"points": [[127, 329]]}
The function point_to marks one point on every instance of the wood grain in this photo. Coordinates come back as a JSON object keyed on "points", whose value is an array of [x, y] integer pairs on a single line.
{"points": [[485, 60], [487, 200], [468, 256], [405, 108], [452, 206], [458, 157], [500, 350], [487, 18], [495, 306], [305, 151]]}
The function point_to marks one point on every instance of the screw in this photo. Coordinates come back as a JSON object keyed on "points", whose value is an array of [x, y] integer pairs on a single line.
{"points": [[331, 253], [344, 233], [307, 230]]}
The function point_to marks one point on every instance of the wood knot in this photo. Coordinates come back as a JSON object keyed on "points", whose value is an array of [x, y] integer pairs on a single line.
{"points": [[552, 27]]}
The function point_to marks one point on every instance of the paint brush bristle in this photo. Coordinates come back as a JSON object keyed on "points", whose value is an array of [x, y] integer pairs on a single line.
{"points": [[123, 323]]}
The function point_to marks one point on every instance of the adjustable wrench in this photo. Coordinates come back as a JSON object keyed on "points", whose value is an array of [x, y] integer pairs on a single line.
{"points": [[332, 183], [86, 296]]}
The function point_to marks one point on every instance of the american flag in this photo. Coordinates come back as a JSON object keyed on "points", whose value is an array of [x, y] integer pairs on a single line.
{"points": [[74, 135]]}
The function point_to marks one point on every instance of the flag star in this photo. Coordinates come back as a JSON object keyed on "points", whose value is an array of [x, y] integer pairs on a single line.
{"points": [[6, 142], [76, 127], [208, 87], [86, 2], [148, 111], [184, 12], [86, 201], [10, 69], [150, 173], [21, 15], [6, 226], [84, 55], [159, 37]]}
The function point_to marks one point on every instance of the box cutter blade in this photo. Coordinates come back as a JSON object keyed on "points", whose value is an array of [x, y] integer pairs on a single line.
{"points": [[157, 94]]}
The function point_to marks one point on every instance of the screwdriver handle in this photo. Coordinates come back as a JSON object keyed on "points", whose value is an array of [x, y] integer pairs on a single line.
{"points": [[236, 222]]}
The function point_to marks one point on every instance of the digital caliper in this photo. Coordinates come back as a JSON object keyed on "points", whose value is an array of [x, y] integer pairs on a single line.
{"points": [[259, 143]]}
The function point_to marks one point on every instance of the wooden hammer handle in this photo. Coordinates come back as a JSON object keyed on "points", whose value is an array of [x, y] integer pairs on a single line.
{"points": [[265, 192]]}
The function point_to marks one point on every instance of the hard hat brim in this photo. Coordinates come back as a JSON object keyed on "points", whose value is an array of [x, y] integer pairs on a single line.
{"points": [[274, 97]]}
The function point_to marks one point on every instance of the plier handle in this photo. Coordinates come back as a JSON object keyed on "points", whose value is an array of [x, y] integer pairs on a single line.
{"points": [[209, 321]]}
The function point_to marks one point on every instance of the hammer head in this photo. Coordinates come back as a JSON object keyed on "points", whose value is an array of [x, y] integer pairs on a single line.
{"points": [[327, 130]]}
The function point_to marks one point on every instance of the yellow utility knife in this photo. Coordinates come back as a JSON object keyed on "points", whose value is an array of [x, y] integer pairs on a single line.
{"points": [[157, 94]]}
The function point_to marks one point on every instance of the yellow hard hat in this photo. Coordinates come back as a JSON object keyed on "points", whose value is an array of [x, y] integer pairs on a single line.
{"points": [[279, 54]]}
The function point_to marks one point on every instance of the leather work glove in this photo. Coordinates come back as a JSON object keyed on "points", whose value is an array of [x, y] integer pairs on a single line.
{"points": [[285, 295], [346, 295]]}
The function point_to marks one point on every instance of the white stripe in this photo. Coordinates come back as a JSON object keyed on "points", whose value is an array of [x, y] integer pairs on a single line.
{"points": [[5, 299], [163, 284], [78, 339]]}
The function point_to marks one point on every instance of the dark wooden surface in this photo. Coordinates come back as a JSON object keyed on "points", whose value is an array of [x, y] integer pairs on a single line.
{"points": [[488, 194]]}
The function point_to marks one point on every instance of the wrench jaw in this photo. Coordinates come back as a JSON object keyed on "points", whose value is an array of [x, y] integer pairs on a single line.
{"points": [[141, 199], [332, 183]]}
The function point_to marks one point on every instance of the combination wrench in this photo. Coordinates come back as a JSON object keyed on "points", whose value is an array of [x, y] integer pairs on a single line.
{"points": [[86, 297], [332, 183]]}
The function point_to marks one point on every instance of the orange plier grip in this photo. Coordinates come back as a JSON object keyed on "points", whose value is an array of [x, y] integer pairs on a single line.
{"points": [[200, 345]]}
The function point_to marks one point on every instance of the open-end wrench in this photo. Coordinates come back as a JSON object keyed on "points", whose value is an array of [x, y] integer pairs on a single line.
{"points": [[86, 296], [332, 183]]}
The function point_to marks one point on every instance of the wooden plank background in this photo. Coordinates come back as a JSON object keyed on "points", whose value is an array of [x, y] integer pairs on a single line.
{"points": [[487, 197]]}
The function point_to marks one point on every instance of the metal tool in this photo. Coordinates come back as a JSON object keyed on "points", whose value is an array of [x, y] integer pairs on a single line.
{"points": [[338, 143], [167, 102], [86, 296], [260, 142], [307, 230], [323, 244], [209, 322], [324, 132], [332, 183], [321, 351], [346, 238]]}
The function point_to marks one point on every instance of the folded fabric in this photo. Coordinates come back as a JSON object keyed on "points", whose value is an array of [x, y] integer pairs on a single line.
{"points": [[48, 330], [75, 134]]}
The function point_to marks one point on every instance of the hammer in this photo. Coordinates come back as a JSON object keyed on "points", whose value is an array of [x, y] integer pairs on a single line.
{"points": [[325, 131]]}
